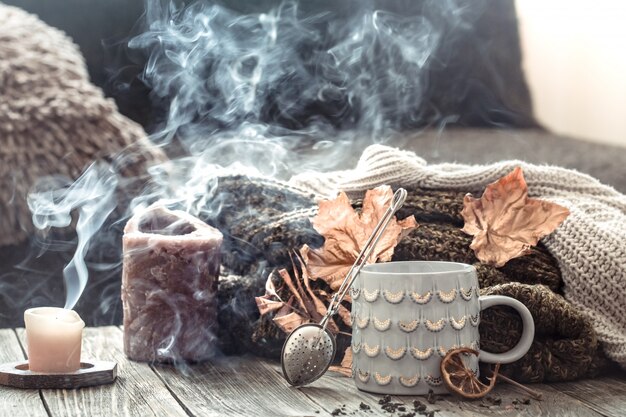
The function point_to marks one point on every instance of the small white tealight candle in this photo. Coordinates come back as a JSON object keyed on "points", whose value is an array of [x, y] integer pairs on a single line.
{"points": [[54, 338]]}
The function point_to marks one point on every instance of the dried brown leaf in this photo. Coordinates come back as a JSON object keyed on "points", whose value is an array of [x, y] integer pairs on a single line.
{"points": [[303, 305], [266, 305], [320, 307], [346, 364], [346, 231], [290, 321], [270, 289], [289, 317], [341, 370], [505, 222], [344, 313], [284, 274]]}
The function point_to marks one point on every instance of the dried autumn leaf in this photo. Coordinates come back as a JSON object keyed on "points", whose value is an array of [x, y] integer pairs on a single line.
{"points": [[288, 322], [341, 370], [304, 304], [290, 317], [344, 313], [346, 231], [265, 305], [320, 308], [505, 222], [270, 289], [313, 305], [284, 274], [346, 364]]}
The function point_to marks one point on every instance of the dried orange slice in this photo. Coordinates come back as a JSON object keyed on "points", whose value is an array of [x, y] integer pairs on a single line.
{"points": [[461, 379]]}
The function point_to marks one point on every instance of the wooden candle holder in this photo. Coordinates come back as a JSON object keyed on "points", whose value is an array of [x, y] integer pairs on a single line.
{"points": [[17, 374]]}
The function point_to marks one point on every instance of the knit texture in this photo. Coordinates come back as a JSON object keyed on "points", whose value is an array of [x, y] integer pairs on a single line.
{"points": [[264, 221], [53, 121], [590, 245]]}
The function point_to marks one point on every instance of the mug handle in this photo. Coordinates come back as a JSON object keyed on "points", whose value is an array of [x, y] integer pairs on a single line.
{"points": [[528, 329]]}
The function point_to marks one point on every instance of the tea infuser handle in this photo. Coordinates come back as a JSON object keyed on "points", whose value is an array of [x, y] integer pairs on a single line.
{"points": [[397, 201], [528, 330]]}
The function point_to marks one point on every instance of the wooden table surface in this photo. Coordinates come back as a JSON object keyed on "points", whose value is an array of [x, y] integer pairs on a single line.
{"points": [[249, 386]]}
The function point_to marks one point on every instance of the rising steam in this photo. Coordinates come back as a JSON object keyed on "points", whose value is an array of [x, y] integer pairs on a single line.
{"points": [[92, 198], [273, 93], [307, 72]]}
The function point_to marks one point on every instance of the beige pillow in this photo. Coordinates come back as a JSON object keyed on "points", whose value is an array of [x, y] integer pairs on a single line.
{"points": [[52, 119]]}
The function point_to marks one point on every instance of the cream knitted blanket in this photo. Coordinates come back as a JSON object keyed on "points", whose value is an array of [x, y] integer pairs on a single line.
{"points": [[590, 245]]}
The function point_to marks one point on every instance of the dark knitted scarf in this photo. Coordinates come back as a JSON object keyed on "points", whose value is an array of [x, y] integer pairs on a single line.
{"points": [[264, 220]]}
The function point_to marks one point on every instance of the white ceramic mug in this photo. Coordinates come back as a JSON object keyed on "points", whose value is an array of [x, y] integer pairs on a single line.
{"points": [[407, 315]]}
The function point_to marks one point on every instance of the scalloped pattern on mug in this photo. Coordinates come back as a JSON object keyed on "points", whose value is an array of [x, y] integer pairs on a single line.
{"points": [[421, 298], [362, 323], [472, 345], [395, 354], [467, 294], [356, 348], [354, 293], [458, 324], [435, 326], [442, 351], [447, 296], [371, 351], [409, 382], [382, 325], [382, 380], [363, 376], [462, 345], [422, 355], [475, 319], [433, 381], [393, 297], [408, 326], [370, 296]]}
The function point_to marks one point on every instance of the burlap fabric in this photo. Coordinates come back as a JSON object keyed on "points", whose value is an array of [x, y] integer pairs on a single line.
{"points": [[276, 221], [53, 121]]}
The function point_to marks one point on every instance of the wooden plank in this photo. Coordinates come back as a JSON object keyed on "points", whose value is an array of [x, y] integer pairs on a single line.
{"points": [[236, 386], [138, 391], [246, 386], [511, 399], [606, 395], [13, 401], [334, 391]]}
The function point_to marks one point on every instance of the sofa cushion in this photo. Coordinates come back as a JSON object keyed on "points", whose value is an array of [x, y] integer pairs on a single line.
{"points": [[53, 121]]}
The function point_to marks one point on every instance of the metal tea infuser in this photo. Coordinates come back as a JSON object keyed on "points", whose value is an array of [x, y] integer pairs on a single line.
{"points": [[310, 348]]}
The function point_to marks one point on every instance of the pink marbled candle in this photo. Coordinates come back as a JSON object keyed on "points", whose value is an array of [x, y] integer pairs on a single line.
{"points": [[169, 286]]}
